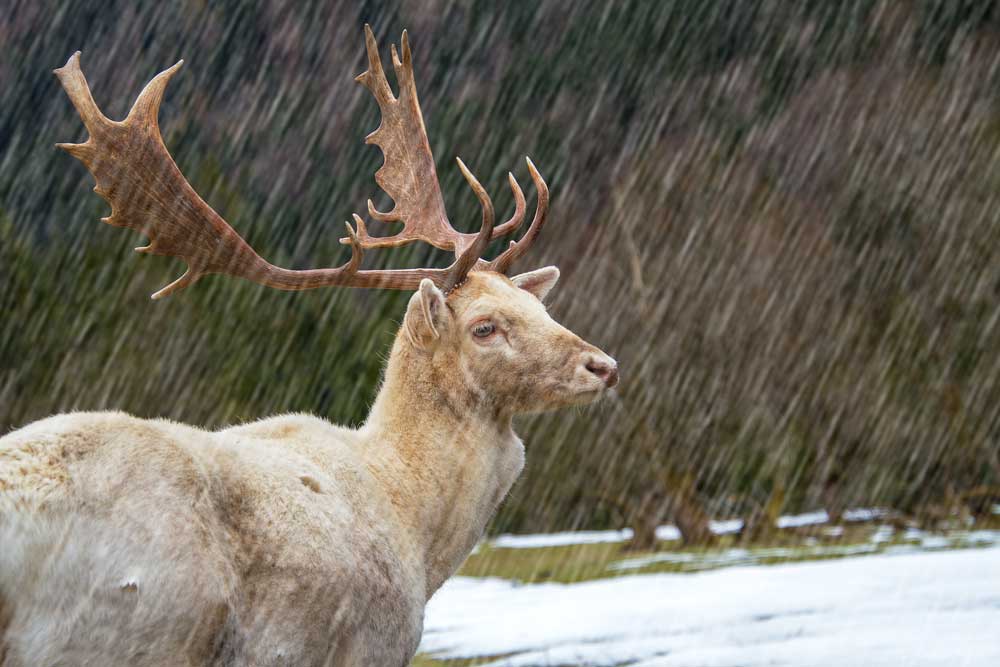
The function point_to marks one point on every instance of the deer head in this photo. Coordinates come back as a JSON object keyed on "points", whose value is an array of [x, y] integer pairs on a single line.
{"points": [[493, 347], [469, 317]]}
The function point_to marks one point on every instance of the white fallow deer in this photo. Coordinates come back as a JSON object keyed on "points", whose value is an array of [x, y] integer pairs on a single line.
{"points": [[287, 541]]}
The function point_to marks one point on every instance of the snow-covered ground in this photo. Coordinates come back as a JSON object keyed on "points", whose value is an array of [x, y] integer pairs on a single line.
{"points": [[669, 533], [893, 609]]}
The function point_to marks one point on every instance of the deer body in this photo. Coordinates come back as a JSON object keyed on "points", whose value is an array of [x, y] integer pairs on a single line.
{"points": [[312, 541], [288, 541], [153, 543]]}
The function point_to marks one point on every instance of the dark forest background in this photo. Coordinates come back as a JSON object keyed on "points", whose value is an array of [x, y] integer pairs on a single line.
{"points": [[782, 217]]}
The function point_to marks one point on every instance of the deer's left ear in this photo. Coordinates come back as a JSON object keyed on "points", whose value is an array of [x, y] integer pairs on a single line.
{"points": [[539, 282], [426, 315]]}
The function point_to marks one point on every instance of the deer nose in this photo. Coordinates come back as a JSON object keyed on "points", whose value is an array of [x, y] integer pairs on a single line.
{"points": [[605, 368]]}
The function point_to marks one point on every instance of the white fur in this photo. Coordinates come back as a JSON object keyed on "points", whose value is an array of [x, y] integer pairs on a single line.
{"points": [[287, 541]]}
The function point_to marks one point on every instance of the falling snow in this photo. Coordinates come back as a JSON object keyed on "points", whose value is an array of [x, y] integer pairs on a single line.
{"points": [[782, 218]]}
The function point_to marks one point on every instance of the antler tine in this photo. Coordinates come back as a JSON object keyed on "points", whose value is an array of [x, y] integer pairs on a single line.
{"points": [[471, 254], [188, 278], [515, 220], [404, 68], [357, 250], [374, 77], [147, 106], [72, 79], [517, 249]]}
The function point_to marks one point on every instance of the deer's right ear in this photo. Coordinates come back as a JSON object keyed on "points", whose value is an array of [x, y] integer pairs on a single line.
{"points": [[539, 282], [426, 315]]}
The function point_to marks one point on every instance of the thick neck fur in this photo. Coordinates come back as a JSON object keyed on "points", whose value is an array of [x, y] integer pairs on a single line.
{"points": [[445, 463]]}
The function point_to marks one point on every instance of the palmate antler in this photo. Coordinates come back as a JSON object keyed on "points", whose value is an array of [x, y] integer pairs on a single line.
{"points": [[147, 192]]}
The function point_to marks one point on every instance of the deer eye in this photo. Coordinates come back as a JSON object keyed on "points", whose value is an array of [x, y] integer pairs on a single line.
{"points": [[483, 330]]}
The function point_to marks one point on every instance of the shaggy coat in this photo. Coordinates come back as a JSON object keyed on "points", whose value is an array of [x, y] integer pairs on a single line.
{"points": [[287, 541]]}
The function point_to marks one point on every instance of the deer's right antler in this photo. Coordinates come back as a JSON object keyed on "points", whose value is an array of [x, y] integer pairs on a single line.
{"points": [[147, 192]]}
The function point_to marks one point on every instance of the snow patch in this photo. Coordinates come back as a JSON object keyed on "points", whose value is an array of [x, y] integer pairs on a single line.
{"points": [[668, 533], [798, 520], [561, 539], [729, 557], [726, 527], [916, 609], [866, 514]]}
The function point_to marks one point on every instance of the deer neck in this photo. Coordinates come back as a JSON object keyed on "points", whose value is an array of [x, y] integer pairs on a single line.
{"points": [[444, 464]]}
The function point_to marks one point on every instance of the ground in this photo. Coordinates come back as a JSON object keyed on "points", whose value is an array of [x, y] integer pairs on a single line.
{"points": [[862, 594]]}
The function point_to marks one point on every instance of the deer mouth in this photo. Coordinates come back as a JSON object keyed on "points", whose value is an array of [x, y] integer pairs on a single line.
{"points": [[575, 394]]}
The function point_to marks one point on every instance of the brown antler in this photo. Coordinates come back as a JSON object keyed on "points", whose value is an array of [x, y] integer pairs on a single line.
{"points": [[135, 173], [517, 249], [408, 174]]}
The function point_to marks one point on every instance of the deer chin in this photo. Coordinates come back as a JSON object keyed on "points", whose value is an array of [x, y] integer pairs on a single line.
{"points": [[586, 396], [575, 393]]}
